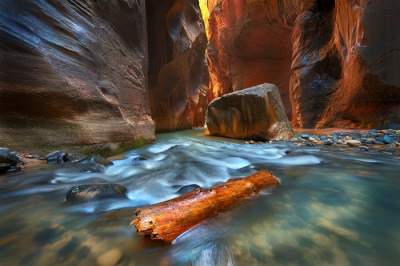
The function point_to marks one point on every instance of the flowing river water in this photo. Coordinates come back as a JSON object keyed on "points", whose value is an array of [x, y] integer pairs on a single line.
{"points": [[335, 206]]}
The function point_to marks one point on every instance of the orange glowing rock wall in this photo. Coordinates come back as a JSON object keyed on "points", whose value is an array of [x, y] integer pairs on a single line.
{"points": [[178, 74], [335, 62]]}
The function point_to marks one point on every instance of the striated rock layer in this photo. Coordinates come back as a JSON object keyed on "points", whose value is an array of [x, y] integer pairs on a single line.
{"points": [[336, 62], [253, 113], [73, 72], [178, 74]]}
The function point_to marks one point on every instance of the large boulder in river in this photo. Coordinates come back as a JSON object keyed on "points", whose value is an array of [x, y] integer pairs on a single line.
{"points": [[253, 113]]}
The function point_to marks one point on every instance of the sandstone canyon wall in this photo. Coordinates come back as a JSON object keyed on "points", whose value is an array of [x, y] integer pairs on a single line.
{"points": [[73, 72], [336, 62], [178, 74], [96, 71]]}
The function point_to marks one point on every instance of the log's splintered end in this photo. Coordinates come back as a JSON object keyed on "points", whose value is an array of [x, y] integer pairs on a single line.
{"points": [[175, 216]]}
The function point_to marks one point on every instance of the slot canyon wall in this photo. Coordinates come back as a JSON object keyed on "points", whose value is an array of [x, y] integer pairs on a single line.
{"points": [[73, 72], [96, 71], [336, 62], [178, 73]]}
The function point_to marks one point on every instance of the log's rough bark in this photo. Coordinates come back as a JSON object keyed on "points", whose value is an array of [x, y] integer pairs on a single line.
{"points": [[167, 220]]}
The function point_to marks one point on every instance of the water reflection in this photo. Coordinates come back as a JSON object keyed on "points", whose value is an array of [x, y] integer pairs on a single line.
{"points": [[334, 207]]}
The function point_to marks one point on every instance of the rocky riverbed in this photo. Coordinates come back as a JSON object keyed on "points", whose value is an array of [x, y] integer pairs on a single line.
{"points": [[363, 140], [336, 205]]}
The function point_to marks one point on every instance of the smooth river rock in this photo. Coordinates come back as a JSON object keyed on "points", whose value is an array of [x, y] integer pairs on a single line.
{"points": [[89, 192], [253, 113], [9, 161], [9, 157]]}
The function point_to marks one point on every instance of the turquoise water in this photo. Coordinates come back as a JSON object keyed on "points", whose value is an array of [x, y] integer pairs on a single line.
{"points": [[336, 206]]}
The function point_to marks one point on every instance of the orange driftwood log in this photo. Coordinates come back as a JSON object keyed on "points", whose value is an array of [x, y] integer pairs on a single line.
{"points": [[167, 220]]}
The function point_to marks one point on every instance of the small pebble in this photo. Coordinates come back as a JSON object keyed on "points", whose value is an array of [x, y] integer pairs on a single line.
{"points": [[110, 258], [387, 139], [353, 143]]}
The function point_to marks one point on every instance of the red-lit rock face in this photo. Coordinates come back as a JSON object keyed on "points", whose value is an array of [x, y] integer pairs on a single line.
{"points": [[73, 72], [336, 62], [250, 44], [178, 75]]}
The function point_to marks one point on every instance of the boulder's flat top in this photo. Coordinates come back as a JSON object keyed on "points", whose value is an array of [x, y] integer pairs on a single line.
{"points": [[258, 90]]}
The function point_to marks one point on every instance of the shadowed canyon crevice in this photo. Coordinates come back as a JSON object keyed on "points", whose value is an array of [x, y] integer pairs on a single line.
{"points": [[178, 75], [84, 71]]}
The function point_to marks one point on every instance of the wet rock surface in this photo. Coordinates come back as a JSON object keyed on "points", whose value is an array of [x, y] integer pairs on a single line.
{"points": [[188, 188], [9, 156], [383, 140], [89, 192], [253, 113], [178, 74], [73, 73], [9, 161], [57, 157]]}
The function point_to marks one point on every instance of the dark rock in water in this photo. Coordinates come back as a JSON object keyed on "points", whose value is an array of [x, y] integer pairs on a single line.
{"points": [[387, 139], [188, 188], [305, 136], [9, 157], [379, 140], [323, 138], [9, 161], [4, 168], [57, 157], [89, 192], [94, 163], [253, 113], [328, 142]]}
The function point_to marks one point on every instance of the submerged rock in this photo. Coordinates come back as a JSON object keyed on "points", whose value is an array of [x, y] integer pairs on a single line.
{"points": [[95, 192], [110, 258], [363, 148], [4, 168], [253, 113], [188, 188]]}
